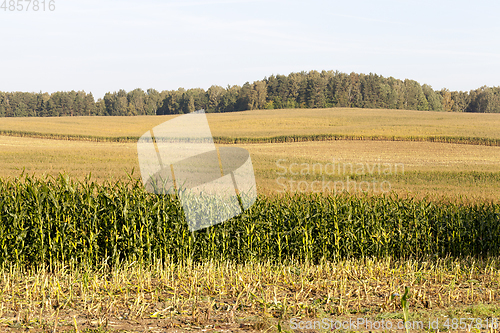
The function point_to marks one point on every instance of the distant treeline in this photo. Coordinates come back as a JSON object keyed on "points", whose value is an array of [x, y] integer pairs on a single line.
{"points": [[296, 90]]}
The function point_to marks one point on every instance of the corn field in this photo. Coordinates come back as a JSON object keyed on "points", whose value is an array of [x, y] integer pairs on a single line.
{"points": [[58, 220]]}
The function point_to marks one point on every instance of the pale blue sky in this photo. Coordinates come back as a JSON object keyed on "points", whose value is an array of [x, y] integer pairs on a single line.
{"points": [[101, 46]]}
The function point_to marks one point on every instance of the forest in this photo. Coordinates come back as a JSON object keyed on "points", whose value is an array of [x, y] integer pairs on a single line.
{"points": [[312, 89]]}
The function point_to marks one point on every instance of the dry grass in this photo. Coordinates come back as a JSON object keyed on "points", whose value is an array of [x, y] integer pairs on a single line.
{"points": [[261, 123], [434, 169], [105, 161], [267, 123], [253, 296], [96, 126]]}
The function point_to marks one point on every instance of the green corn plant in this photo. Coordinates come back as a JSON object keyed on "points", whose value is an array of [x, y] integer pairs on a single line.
{"points": [[58, 220], [404, 306]]}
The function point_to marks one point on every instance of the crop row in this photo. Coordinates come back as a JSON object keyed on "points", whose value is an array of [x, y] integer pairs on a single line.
{"points": [[59, 220], [275, 139]]}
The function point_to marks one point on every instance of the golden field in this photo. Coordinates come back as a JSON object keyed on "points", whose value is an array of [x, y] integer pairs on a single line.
{"points": [[426, 168], [268, 123]]}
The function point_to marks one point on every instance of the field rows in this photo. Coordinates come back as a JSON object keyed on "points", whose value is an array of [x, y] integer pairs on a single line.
{"points": [[58, 220], [275, 123], [97, 252], [224, 296], [433, 169], [273, 139]]}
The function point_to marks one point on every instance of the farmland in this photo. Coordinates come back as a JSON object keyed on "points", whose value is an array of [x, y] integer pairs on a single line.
{"points": [[267, 123], [92, 249], [435, 169], [438, 169]]}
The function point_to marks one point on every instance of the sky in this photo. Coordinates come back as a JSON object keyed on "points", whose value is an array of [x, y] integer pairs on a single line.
{"points": [[103, 46]]}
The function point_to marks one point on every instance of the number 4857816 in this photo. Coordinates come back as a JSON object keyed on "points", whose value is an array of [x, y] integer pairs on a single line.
{"points": [[26, 5]]}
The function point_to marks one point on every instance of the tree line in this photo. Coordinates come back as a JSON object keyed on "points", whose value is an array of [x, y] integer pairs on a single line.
{"points": [[297, 90]]}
